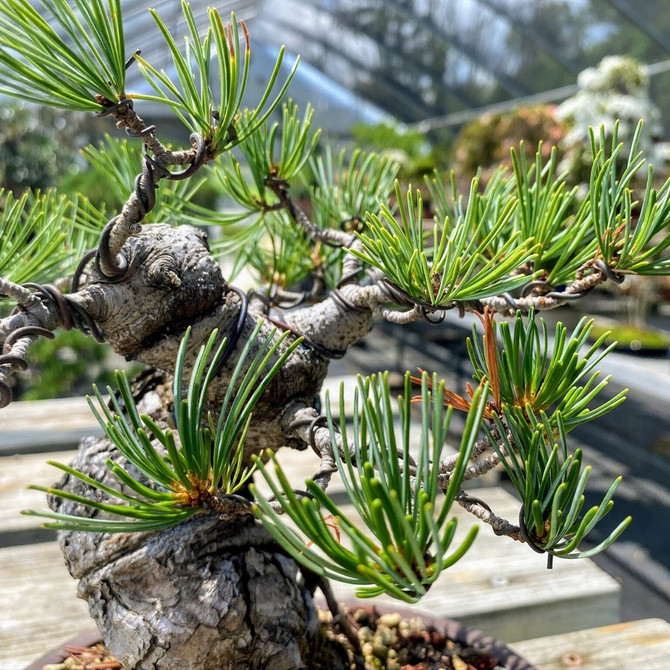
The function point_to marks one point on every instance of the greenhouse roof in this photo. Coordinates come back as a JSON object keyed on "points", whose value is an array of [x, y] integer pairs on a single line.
{"points": [[429, 61]]}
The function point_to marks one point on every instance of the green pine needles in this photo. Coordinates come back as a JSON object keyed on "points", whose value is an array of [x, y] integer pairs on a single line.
{"points": [[631, 236], [260, 233], [540, 390], [451, 262], [203, 106], [40, 236], [186, 473], [551, 484], [530, 374], [85, 69], [81, 73], [403, 539], [522, 226]]}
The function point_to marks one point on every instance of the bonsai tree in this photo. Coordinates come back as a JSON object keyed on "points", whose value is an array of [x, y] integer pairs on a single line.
{"points": [[184, 563]]}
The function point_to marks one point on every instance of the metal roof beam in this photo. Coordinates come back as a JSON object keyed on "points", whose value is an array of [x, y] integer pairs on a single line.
{"points": [[553, 95], [634, 16], [540, 41], [345, 19], [418, 107], [506, 82]]}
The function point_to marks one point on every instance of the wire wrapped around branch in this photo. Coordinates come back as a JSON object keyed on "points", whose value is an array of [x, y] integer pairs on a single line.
{"points": [[110, 260], [22, 295], [584, 284], [416, 309], [536, 294], [13, 355], [448, 464], [328, 236], [306, 424], [484, 513], [45, 305]]}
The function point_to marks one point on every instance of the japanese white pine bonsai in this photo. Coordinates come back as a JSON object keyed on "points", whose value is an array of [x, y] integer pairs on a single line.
{"points": [[183, 562]]}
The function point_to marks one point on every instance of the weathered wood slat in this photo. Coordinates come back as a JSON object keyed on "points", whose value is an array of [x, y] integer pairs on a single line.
{"points": [[16, 473], [28, 427], [641, 644], [501, 586], [38, 603]]}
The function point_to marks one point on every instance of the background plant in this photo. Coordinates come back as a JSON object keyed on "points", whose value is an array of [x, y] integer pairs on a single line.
{"points": [[615, 93]]}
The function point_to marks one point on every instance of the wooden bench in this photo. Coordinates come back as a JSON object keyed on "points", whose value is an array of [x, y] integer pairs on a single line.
{"points": [[44, 425], [641, 644], [39, 607]]}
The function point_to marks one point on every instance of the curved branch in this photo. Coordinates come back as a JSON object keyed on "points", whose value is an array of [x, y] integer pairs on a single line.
{"points": [[23, 296], [304, 422], [401, 317], [499, 525], [580, 287], [142, 199], [13, 356], [448, 464], [329, 236], [301, 421], [33, 318]]}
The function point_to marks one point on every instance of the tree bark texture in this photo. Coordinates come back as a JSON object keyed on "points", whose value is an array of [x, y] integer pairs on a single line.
{"points": [[174, 282], [207, 594]]}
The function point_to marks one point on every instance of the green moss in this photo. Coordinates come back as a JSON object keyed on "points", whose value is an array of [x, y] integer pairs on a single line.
{"points": [[631, 337]]}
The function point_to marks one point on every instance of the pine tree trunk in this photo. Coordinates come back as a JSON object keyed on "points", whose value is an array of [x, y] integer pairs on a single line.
{"points": [[206, 594]]}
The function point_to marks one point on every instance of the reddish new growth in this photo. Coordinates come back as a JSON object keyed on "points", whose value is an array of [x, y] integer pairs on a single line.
{"points": [[457, 401], [199, 493], [491, 353]]}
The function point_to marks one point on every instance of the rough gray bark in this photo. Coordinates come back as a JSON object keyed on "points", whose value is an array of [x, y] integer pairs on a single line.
{"points": [[209, 593]]}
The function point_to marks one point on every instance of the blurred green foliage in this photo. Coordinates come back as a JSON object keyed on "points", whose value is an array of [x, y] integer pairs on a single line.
{"points": [[409, 148], [66, 365], [630, 337], [37, 146]]}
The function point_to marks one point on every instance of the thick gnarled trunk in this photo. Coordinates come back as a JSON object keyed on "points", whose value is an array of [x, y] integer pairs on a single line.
{"points": [[211, 592], [207, 594]]}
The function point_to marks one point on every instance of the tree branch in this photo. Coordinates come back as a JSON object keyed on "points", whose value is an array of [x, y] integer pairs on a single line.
{"points": [[142, 199], [484, 513], [588, 277], [303, 422], [330, 236], [448, 464]]}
